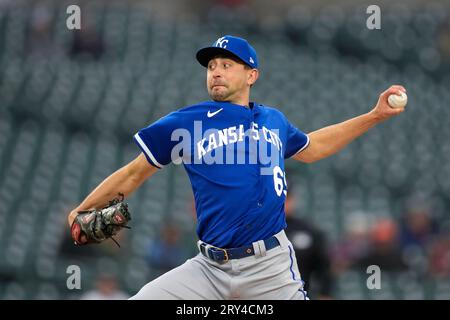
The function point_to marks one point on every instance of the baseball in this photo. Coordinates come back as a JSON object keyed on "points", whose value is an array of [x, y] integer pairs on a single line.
{"points": [[398, 101]]}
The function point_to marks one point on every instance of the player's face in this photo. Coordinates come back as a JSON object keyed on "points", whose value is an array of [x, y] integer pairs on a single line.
{"points": [[227, 79]]}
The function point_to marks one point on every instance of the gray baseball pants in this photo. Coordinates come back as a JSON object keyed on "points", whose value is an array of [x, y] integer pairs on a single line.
{"points": [[267, 275]]}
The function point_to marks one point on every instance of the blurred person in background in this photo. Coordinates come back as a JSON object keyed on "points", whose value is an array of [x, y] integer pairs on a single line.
{"points": [[417, 233], [417, 229], [354, 244], [40, 41], [311, 249], [106, 288], [439, 255], [443, 46], [87, 43], [166, 252], [384, 250]]}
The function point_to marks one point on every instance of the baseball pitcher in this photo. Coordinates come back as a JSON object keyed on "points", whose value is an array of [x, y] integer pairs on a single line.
{"points": [[233, 151]]}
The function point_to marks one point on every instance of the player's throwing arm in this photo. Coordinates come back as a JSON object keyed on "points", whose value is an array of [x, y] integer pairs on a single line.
{"points": [[329, 140]]}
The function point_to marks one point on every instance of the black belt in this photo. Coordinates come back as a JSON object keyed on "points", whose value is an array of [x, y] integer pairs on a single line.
{"points": [[219, 254]]}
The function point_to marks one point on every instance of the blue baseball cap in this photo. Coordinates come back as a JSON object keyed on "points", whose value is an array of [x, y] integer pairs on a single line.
{"points": [[235, 46]]}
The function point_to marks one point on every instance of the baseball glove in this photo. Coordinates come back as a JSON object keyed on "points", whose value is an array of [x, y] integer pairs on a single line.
{"points": [[95, 226]]}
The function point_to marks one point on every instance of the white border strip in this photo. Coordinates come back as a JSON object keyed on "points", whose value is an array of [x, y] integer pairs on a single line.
{"points": [[304, 147], [147, 150]]}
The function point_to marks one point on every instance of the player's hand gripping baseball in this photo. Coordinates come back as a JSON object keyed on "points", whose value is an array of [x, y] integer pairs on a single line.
{"points": [[383, 110]]}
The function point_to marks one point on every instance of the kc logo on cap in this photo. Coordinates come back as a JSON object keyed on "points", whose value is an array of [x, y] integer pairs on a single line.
{"points": [[221, 43]]}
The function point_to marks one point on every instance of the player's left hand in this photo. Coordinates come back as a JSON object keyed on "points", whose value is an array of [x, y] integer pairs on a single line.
{"points": [[382, 110], [98, 225]]}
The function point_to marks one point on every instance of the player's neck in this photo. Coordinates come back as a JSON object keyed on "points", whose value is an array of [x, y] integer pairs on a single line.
{"points": [[242, 101], [245, 105]]}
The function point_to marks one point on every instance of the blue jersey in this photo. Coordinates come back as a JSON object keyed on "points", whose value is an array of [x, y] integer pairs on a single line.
{"points": [[234, 157]]}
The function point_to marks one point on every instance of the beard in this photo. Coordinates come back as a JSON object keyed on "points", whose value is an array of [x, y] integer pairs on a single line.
{"points": [[219, 95]]}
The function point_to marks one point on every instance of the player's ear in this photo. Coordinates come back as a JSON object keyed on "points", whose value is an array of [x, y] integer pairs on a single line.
{"points": [[252, 76]]}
